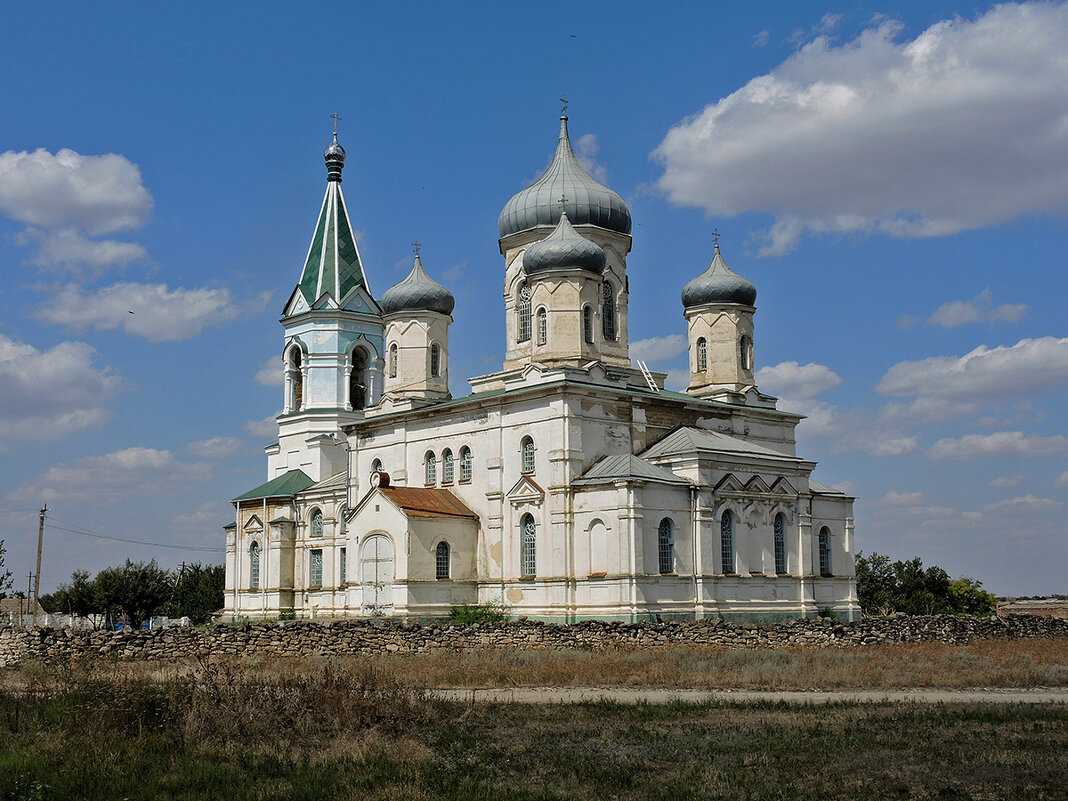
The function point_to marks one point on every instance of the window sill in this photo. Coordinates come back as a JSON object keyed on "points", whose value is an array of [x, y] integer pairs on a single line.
{"points": [[782, 575], [444, 578], [464, 481], [529, 577], [314, 587], [732, 574], [756, 572], [600, 575], [826, 575], [668, 573]]}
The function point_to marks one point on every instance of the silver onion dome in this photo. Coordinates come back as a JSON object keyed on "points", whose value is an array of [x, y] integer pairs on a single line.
{"points": [[417, 292], [565, 248], [718, 284], [588, 202]]}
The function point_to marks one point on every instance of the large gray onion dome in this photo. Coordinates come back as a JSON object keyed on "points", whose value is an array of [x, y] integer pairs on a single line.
{"points": [[417, 292], [565, 248], [587, 202], [718, 284]]}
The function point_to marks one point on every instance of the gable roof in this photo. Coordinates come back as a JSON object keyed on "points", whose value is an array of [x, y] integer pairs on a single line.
{"points": [[687, 440], [627, 467], [284, 486], [427, 502]]}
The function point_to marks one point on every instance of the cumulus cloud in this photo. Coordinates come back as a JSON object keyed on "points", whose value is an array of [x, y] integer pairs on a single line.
{"points": [[1028, 366], [980, 309], [63, 197], [112, 478], [270, 373], [49, 394], [209, 517], [797, 381], [925, 410], [959, 128], [151, 311], [1026, 503], [586, 148], [659, 349], [1000, 444], [267, 427], [214, 448], [1006, 481], [902, 498], [1061, 480]]}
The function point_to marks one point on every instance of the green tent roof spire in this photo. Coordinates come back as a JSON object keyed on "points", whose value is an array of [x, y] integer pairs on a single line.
{"points": [[333, 264]]}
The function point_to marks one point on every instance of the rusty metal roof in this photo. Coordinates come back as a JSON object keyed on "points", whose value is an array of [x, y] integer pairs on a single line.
{"points": [[428, 502]]}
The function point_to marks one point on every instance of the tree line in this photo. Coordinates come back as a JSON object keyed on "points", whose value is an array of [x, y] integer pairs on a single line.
{"points": [[136, 591], [885, 587]]}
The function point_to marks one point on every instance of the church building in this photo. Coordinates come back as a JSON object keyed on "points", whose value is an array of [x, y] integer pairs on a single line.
{"points": [[568, 485]]}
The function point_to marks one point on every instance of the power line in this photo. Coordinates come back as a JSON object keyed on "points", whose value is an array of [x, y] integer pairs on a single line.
{"points": [[97, 535]]}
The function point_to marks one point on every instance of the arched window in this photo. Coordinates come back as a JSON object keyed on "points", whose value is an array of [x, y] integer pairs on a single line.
{"points": [[608, 311], [702, 355], [357, 385], [543, 326], [393, 360], [376, 466], [465, 464], [431, 468], [745, 347], [435, 360], [254, 566], [780, 543], [296, 377], [317, 523], [446, 466], [530, 562], [343, 576], [523, 312], [441, 561], [527, 447], [666, 546], [825, 551], [726, 540], [315, 568], [587, 324]]}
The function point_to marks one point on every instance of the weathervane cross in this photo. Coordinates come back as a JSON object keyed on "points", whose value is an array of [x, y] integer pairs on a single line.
{"points": [[715, 237], [416, 246], [563, 99], [335, 117]]}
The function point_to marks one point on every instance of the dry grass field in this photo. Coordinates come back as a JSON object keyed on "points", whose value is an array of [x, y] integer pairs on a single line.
{"points": [[365, 728]]}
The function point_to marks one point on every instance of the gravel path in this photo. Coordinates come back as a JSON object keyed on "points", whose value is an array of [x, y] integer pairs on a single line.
{"points": [[570, 695]]}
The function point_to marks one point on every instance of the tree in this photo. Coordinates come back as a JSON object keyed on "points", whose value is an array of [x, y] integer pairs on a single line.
{"points": [[5, 575], [137, 590], [198, 591], [78, 598], [884, 587]]}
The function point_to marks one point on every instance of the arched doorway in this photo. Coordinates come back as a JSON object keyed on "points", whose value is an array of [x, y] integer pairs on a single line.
{"points": [[376, 559]]}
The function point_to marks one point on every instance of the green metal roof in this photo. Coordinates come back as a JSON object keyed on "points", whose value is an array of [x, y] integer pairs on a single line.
{"points": [[333, 265], [285, 486], [627, 467]]}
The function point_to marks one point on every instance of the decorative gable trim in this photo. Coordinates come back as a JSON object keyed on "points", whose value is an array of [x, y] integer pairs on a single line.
{"points": [[757, 484], [526, 490], [729, 484], [254, 524], [783, 487]]}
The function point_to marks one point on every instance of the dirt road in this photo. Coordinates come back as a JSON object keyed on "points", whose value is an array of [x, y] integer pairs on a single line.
{"points": [[570, 695]]}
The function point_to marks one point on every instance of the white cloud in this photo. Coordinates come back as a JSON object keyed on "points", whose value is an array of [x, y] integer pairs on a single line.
{"points": [[961, 127], [69, 249], [761, 39], [209, 517], [1006, 481], [925, 410], [980, 309], [1026, 503], [267, 427], [1029, 365], [151, 311], [1061, 480], [902, 498], [586, 148], [678, 379], [49, 394], [270, 373], [1000, 444], [97, 194], [659, 349], [214, 448], [822, 420], [797, 382], [112, 478]]}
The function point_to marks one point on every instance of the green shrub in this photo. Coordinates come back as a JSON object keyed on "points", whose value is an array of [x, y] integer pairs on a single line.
{"points": [[488, 612]]}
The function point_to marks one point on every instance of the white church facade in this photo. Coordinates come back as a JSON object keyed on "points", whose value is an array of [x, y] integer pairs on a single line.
{"points": [[569, 484]]}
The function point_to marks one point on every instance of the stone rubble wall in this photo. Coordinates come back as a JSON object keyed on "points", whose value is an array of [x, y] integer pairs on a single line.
{"points": [[380, 636]]}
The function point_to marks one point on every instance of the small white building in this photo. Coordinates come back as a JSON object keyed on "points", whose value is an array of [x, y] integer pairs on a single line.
{"points": [[569, 484]]}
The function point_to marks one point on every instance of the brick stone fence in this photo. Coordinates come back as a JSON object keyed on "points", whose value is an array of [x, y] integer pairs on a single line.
{"points": [[303, 638]]}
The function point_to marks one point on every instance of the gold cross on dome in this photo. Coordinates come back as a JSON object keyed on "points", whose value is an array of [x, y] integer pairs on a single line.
{"points": [[335, 117]]}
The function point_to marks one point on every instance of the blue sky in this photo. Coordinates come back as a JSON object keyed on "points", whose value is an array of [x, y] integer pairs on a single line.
{"points": [[892, 177]]}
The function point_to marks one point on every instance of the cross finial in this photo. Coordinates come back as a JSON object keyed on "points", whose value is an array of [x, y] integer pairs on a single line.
{"points": [[715, 238], [563, 99], [335, 117], [415, 247], [563, 202]]}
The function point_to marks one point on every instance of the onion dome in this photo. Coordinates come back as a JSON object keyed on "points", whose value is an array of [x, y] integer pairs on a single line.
{"points": [[417, 292], [335, 160], [563, 249], [588, 202], [718, 284]]}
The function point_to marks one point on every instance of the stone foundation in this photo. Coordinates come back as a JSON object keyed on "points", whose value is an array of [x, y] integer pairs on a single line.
{"points": [[303, 638]]}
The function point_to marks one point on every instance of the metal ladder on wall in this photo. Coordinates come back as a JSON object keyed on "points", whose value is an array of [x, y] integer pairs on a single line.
{"points": [[648, 376]]}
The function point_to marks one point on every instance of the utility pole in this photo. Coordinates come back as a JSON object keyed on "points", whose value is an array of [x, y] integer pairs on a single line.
{"points": [[29, 584], [40, 547]]}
